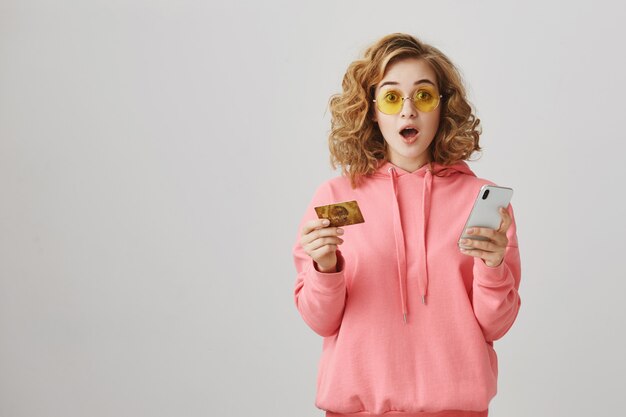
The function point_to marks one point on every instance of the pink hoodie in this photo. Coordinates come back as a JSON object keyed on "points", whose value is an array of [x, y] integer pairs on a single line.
{"points": [[408, 320]]}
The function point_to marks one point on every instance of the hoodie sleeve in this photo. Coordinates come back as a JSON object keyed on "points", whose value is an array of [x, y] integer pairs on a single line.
{"points": [[320, 297], [495, 296]]}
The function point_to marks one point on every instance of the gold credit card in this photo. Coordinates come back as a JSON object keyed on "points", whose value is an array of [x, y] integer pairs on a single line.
{"points": [[341, 214]]}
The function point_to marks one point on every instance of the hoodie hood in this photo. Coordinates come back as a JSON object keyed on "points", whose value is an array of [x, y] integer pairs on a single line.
{"points": [[427, 172]]}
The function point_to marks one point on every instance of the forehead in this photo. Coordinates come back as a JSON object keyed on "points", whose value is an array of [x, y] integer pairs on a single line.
{"points": [[407, 72]]}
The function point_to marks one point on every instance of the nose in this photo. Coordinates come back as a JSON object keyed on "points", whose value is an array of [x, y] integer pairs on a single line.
{"points": [[408, 110]]}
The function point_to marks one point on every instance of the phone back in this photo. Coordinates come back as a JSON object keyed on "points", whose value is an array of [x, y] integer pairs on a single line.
{"points": [[485, 211]]}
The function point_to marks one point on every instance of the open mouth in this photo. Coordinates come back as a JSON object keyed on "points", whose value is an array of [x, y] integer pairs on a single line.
{"points": [[409, 134]]}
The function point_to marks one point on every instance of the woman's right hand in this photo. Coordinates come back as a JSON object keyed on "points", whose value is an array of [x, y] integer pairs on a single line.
{"points": [[320, 242]]}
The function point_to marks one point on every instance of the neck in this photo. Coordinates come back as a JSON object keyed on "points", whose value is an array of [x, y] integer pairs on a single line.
{"points": [[410, 166]]}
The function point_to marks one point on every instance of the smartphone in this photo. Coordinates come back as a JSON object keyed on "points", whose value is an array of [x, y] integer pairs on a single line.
{"points": [[485, 211]]}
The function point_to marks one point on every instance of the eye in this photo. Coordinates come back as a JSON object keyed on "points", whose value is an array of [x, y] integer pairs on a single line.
{"points": [[423, 95], [391, 97]]}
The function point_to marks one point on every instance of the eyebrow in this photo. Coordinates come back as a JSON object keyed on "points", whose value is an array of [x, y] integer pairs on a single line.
{"points": [[415, 83]]}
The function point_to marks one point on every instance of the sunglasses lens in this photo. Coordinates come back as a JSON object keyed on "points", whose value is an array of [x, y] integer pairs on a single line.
{"points": [[389, 102], [426, 99]]}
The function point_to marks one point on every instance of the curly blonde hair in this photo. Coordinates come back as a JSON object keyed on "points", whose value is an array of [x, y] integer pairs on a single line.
{"points": [[355, 140]]}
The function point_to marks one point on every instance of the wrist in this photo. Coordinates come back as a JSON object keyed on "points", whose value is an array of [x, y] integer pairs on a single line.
{"points": [[326, 270]]}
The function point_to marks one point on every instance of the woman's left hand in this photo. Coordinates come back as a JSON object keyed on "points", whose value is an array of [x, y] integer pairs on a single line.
{"points": [[491, 251]]}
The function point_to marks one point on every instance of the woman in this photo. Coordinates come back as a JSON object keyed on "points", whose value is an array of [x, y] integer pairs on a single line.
{"points": [[408, 318]]}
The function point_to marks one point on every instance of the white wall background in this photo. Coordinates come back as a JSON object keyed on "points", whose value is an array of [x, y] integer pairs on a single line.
{"points": [[156, 157]]}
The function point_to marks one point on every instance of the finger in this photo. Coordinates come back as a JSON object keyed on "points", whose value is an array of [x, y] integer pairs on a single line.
{"points": [[325, 231], [487, 256], [506, 220], [472, 252], [313, 224], [318, 243], [481, 231], [326, 249], [481, 244], [496, 237]]}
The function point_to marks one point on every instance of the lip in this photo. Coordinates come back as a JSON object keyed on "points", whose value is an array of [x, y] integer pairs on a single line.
{"points": [[407, 126]]}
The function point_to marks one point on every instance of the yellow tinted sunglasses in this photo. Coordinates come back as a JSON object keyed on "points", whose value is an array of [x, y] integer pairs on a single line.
{"points": [[426, 99]]}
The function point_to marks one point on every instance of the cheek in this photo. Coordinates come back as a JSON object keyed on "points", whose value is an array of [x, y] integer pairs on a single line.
{"points": [[433, 120], [386, 126]]}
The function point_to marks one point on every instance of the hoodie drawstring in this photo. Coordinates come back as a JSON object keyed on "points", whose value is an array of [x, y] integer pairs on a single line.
{"points": [[399, 238], [426, 191], [400, 248]]}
